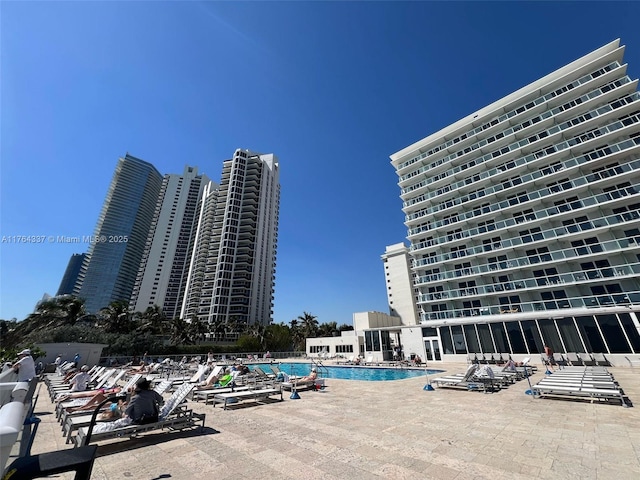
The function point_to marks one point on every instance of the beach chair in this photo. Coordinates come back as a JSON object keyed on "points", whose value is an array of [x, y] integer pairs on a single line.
{"points": [[574, 359], [600, 359], [459, 381], [174, 415], [633, 362]]}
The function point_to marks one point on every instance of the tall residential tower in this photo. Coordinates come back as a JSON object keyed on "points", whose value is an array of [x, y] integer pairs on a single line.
{"points": [[163, 270], [232, 271], [109, 270]]}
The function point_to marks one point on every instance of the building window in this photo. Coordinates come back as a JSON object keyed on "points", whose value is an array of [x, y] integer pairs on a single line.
{"points": [[471, 338]]}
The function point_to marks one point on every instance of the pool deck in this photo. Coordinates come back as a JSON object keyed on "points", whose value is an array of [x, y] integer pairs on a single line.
{"points": [[394, 429]]}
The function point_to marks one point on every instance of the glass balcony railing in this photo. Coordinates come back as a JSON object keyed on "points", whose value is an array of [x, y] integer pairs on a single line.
{"points": [[533, 156], [528, 284], [506, 116], [529, 260], [530, 238]]}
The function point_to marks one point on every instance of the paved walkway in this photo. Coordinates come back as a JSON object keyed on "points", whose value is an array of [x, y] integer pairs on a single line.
{"points": [[366, 430]]}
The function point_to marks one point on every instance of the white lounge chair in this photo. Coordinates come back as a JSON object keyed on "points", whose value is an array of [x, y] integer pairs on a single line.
{"points": [[173, 416]]}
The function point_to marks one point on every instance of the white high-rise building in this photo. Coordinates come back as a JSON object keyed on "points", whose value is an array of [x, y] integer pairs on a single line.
{"points": [[398, 275], [163, 270], [232, 272], [524, 217]]}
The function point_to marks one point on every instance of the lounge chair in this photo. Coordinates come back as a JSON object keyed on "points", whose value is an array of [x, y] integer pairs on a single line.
{"points": [[79, 402], [600, 359], [579, 391], [574, 360], [459, 381], [370, 361], [173, 416], [348, 361], [254, 395], [633, 362]]}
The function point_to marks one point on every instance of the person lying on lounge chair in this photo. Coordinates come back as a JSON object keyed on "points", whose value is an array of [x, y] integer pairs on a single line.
{"points": [[87, 393], [95, 400], [142, 368]]}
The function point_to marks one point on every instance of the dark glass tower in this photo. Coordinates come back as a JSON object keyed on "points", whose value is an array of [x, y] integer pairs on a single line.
{"points": [[109, 271]]}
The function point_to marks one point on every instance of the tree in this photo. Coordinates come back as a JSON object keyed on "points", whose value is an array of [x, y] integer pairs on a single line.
{"points": [[328, 329], [116, 318], [278, 338], [152, 320], [182, 332], [309, 325]]}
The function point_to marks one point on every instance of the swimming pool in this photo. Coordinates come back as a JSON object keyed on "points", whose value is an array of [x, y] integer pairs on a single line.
{"points": [[347, 372]]}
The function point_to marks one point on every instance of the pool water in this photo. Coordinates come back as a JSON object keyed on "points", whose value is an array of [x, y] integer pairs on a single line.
{"points": [[352, 373]]}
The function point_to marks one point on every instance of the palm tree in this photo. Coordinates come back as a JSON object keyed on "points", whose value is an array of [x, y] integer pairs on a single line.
{"points": [[152, 320], [179, 332], [328, 329], [116, 317], [297, 335], [309, 324]]}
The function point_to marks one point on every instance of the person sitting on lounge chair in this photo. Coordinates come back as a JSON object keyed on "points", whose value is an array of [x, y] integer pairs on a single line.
{"points": [[213, 381], [80, 381], [143, 406], [309, 378]]}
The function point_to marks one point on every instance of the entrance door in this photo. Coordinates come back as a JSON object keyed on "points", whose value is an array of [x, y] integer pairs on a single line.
{"points": [[432, 349]]}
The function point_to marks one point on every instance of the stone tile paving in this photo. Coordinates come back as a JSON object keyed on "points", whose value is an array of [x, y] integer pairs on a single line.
{"points": [[367, 430]]}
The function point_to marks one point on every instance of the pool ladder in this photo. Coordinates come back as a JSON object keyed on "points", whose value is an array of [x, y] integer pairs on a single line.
{"points": [[319, 366]]}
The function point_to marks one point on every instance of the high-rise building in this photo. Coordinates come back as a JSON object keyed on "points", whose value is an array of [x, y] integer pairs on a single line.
{"points": [[400, 295], [109, 271], [523, 217], [71, 274], [232, 272], [163, 270]]}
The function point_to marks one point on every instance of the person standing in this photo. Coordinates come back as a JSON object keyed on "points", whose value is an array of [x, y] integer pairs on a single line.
{"points": [[25, 366], [76, 360], [548, 352]]}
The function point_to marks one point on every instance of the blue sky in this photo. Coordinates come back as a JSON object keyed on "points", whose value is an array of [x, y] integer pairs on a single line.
{"points": [[332, 88]]}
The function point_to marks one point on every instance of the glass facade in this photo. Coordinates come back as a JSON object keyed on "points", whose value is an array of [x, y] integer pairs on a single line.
{"points": [[590, 334]]}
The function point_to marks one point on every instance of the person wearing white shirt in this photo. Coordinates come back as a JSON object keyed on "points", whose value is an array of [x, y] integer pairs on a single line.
{"points": [[80, 381], [25, 366]]}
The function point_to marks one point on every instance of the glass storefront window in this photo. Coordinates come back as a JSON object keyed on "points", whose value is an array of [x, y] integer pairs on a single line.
{"points": [[459, 343], [447, 343], [472, 339], [500, 337], [613, 334], [570, 335], [532, 336], [591, 335], [631, 330], [485, 338], [515, 337], [550, 335]]}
